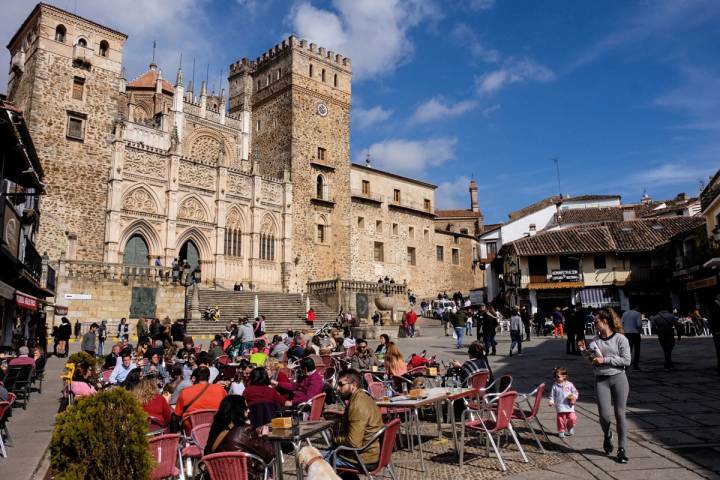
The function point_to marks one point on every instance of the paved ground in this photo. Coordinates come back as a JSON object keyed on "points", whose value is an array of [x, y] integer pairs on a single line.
{"points": [[674, 419]]}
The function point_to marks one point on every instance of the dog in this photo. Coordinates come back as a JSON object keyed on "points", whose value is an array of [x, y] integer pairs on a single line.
{"points": [[317, 467]]}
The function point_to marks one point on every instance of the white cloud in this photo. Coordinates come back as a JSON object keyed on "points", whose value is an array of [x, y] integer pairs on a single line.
{"points": [[410, 157], [466, 36], [453, 194], [365, 118], [435, 110], [489, 111], [513, 71], [373, 33], [481, 4]]}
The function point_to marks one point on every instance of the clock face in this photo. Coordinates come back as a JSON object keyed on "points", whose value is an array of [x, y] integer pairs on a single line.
{"points": [[322, 109]]}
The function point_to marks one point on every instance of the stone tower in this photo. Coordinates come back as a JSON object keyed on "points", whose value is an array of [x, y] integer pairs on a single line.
{"points": [[65, 73], [297, 99]]}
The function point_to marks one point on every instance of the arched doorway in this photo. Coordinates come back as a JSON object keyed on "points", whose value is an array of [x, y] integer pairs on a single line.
{"points": [[190, 253], [136, 251]]}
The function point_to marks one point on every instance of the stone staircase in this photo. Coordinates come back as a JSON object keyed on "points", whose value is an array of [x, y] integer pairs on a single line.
{"points": [[283, 311]]}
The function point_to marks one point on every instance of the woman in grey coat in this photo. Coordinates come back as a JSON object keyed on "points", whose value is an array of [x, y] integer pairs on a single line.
{"points": [[609, 352]]}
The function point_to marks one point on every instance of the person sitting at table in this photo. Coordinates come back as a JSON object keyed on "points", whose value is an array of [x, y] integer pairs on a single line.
{"points": [[123, 368], [23, 358], [231, 432], [146, 392], [81, 385], [203, 360], [111, 358], [154, 366], [382, 348], [278, 348], [395, 365], [177, 384], [478, 361], [187, 349], [310, 384], [364, 358], [202, 395], [242, 378], [361, 420], [259, 390]]}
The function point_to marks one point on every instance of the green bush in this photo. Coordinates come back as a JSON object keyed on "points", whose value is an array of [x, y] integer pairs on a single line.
{"points": [[95, 363], [102, 437]]}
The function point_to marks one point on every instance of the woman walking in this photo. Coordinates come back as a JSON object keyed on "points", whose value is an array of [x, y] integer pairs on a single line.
{"points": [[609, 352]]}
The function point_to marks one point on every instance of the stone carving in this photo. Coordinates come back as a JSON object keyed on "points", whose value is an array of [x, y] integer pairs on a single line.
{"points": [[197, 175], [271, 192], [234, 219], [145, 164], [239, 185], [191, 209], [206, 148], [139, 200], [267, 226]]}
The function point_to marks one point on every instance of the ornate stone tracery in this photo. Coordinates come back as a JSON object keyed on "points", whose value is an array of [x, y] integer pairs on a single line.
{"points": [[240, 185], [207, 148], [197, 175], [139, 200], [192, 209]]}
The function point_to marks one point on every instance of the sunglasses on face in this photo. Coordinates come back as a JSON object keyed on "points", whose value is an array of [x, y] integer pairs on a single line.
{"points": [[342, 384]]}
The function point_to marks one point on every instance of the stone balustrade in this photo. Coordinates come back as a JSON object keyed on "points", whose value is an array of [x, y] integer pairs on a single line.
{"points": [[116, 271], [324, 287]]}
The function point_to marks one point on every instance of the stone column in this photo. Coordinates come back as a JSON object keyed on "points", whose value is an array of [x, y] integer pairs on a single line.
{"points": [[114, 197], [220, 213], [171, 193], [288, 254]]}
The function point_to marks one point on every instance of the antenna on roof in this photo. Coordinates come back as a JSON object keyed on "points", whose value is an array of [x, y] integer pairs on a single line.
{"points": [[367, 160], [180, 60], [557, 172]]}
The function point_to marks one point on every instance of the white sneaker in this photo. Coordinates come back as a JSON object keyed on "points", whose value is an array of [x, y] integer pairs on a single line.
{"points": [[571, 431], [561, 434]]}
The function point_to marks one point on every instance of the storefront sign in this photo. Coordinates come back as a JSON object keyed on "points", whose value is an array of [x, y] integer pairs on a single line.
{"points": [[77, 296], [61, 310], [565, 276], [11, 231], [25, 301], [704, 283]]}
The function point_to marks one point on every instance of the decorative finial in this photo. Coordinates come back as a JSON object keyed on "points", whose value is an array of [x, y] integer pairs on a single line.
{"points": [[367, 160]]}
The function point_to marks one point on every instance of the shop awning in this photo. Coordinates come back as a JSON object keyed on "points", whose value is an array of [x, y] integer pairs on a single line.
{"points": [[598, 297], [554, 285], [26, 301]]}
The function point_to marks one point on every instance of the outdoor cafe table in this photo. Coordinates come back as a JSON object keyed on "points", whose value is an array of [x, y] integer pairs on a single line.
{"points": [[433, 396], [279, 435]]}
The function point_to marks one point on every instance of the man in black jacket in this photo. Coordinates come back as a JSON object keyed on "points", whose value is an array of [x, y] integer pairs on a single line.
{"points": [[489, 327]]}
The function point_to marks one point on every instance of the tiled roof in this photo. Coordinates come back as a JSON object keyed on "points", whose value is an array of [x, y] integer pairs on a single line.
{"points": [[590, 198], [535, 207], [711, 191], [632, 236], [457, 214], [589, 215], [148, 80], [489, 227]]}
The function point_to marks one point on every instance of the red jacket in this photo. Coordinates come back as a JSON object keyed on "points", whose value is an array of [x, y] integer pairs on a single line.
{"points": [[159, 408], [259, 394], [411, 317], [305, 389]]}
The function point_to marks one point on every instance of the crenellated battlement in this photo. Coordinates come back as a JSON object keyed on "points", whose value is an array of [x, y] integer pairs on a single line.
{"points": [[245, 65]]}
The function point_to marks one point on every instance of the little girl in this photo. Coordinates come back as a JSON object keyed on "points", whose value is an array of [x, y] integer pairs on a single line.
{"points": [[563, 396]]}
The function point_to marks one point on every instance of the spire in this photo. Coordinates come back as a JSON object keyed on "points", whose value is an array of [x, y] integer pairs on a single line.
{"points": [[179, 77], [203, 89], [153, 65], [158, 82]]}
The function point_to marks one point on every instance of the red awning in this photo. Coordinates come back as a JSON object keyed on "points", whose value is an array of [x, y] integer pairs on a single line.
{"points": [[26, 301]]}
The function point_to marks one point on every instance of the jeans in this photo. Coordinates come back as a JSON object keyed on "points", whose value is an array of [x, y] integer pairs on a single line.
{"points": [[341, 462], [247, 346], [489, 342], [460, 332], [101, 347], [468, 329], [634, 341], [516, 339], [411, 330], [570, 344]]}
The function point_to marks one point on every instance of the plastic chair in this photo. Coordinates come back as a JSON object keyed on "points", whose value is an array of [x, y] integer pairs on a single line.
{"points": [[196, 445], [317, 403], [155, 426], [501, 421], [387, 445], [646, 327], [106, 375], [4, 407], [39, 373], [164, 449], [231, 465], [530, 415], [478, 381], [18, 381]]}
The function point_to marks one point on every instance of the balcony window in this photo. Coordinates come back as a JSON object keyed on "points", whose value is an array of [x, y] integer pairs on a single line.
{"points": [[82, 42], [491, 249], [537, 265], [77, 88], [60, 34], [427, 205], [569, 262], [365, 187], [411, 256], [396, 195], [104, 49]]}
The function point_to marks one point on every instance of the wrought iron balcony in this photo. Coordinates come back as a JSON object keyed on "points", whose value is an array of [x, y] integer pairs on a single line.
{"points": [[32, 261]]}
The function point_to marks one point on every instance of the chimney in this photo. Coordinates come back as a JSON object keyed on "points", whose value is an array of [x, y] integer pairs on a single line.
{"points": [[681, 197], [628, 214], [474, 196], [532, 229]]}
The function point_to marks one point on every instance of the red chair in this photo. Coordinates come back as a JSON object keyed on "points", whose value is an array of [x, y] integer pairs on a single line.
{"points": [[478, 381], [387, 445], [196, 445], [164, 449], [501, 421], [156, 426], [231, 465], [4, 407], [317, 403], [198, 417], [106, 375], [530, 415]]}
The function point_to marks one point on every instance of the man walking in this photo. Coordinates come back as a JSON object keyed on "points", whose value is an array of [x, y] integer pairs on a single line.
{"points": [[89, 340], [525, 316], [516, 331], [459, 319], [663, 323], [489, 327], [411, 319], [246, 334], [632, 326]]}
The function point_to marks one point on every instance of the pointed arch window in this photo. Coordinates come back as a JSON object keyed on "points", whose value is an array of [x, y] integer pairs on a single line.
{"points": [[320, 187], [60, 34], [233, 241], [82, 42], [267, 246]]}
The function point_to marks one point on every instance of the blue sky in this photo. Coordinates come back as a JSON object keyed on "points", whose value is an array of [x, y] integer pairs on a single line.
{"points": [[624, 93]]}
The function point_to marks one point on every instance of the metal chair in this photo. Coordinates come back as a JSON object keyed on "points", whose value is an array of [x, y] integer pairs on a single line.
{"points": [[4, 407], [502, 414], [193, 451], [387, 445], [198, 417], [18, 381], [530, 415], [231, 465]]}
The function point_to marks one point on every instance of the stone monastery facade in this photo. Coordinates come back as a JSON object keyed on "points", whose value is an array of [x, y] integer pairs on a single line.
{"points": [[254, 185]]}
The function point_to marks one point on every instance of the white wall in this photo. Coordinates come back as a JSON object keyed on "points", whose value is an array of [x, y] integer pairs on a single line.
{"points": [[521, 227], [570, 203]]}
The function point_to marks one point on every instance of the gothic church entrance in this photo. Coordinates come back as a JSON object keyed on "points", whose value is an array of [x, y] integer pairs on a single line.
{"points": [[136, 251], [190, 253]]}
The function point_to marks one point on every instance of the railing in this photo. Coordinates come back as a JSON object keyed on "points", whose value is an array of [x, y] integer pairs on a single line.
{"points": [[369, 196], [32, 260], [49, 273], [118, 271], [410, 205], [330, 286]]}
